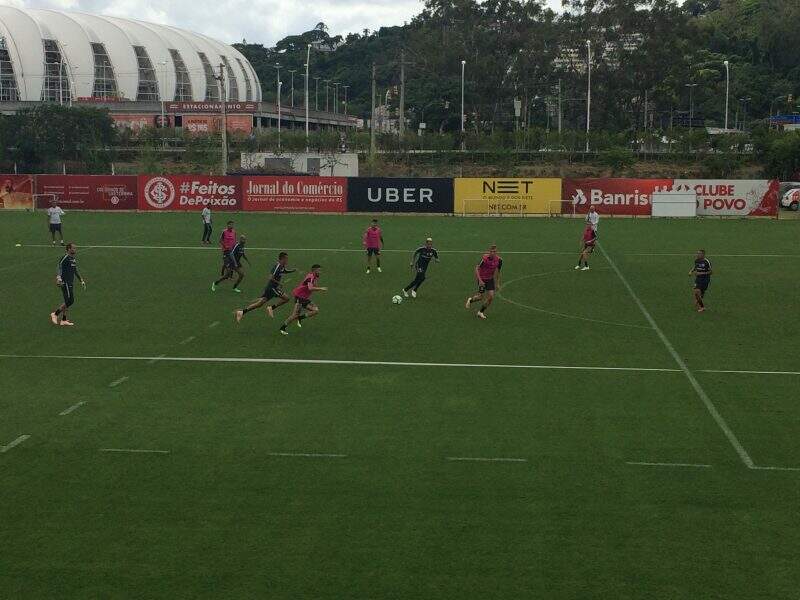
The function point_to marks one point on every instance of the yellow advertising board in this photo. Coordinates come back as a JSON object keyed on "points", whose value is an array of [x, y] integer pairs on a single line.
{"points": [[506, 196]]}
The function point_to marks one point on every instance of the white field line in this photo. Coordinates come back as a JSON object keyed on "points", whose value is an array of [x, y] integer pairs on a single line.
{"points": [[311, 361], [116, 382], [187, 340], [688, 253], [479, 459], [663, 464], [775, 468], [134, 451], [710, 407], [155, 359], [214, 324], [307, 454], [16, 442], [72, 408]]}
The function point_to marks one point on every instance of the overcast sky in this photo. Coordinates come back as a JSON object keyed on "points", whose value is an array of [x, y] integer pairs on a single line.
{"points": [[258, 21]]}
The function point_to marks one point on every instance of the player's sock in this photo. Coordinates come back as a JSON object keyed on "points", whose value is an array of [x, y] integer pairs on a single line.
{"points": [[483, 308]]}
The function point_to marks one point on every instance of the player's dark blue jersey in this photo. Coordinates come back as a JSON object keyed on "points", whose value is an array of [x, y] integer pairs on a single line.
{"points": [[423, 256], [277, 272], [68, 269], [702, 269]]}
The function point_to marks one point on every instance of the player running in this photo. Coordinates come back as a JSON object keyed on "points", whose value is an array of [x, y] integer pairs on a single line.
{"points": [[419, 262], [233, 265], [304, 308], [65, 279], [702, 278], [54, 214], [486, 272], [373, 242], [205, 214], [589, 240], [273, 289]]}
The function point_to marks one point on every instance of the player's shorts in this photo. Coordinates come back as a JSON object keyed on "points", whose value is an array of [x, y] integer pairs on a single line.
{"points": [[55, 227], [67, 290], [373, 251], [588, 246], [303, 302], [487, 286], [702, 284], [271, 292], [230, 261]]}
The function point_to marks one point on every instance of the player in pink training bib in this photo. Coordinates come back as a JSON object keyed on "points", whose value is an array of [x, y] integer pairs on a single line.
{"points": [[488, 275], [373, 242], [304, 308]]}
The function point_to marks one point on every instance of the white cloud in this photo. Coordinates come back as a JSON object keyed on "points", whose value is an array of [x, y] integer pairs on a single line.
{"points": [[258, 21]]}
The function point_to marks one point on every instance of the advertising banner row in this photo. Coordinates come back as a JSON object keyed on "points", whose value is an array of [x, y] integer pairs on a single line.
{"points": [[520, 196]]}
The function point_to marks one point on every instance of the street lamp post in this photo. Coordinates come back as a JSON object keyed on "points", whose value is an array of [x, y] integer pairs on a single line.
{"points": [[308, 61], [279, 115], [463, 144], [316, 93], [163, 91], [292, 72], [327, 81], [344, 87], [278, 82], [691, 87], [588, 90], [727, 89]]}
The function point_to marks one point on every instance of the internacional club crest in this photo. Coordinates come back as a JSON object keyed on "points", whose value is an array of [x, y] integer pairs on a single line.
{"points": [[159, 192]]}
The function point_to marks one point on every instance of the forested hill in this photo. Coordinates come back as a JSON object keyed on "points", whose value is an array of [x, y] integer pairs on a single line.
{"points": [[652, 53]]}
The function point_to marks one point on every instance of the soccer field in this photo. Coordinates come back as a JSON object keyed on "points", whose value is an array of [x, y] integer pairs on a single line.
{"points": [[594, 438]]}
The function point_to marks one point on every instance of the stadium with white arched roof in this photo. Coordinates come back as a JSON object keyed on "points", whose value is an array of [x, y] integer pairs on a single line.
{"points": [[48, 55], [137, 71]]}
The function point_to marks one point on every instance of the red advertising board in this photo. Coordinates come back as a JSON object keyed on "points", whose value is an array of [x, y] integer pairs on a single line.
{"points": [[295, 194], [16, 192], [87, 192], [201, 124], [211, 107], [612, 196], [189, 192], [733, 197], [242, 123]]}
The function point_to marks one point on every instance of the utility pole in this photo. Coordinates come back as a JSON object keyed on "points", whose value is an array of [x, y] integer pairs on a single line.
{"points": [[645, 111], [316, 93], [402, 122], [327, 83], [344, 87], [372, 116], [221, 79], [280, 83], [588, 90], [335, 97]]}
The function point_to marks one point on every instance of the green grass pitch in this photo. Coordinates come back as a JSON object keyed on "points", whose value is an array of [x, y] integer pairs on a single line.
{"points": [[232, 509]]}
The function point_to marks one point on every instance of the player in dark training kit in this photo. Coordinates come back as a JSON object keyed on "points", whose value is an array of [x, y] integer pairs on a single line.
{"points": [[702, 278], [419, 262], [233, 263], [273, 289], [65, 279]]}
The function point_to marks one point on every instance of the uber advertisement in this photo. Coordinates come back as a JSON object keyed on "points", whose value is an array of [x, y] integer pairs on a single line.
{"points": [[409, 195]]}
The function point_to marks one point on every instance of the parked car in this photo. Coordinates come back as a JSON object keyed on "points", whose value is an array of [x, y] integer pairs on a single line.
{"points": [[791, 199]]}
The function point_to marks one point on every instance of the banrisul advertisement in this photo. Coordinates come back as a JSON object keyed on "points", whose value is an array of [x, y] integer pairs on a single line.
{"points": [[410, 195]]}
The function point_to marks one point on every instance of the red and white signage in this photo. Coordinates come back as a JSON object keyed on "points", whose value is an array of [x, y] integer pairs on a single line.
{"points": [[189, 192], [16, 192], [732, 197], [612, 196], [87, 192], [201, 124], [211, 107], [295, 194]]}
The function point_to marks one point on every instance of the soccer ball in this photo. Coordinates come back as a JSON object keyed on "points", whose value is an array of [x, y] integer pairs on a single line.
{"points": [[397, 299]]}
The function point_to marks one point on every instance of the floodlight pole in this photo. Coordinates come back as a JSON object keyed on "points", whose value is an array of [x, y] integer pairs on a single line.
{"points": [[308, 60]]}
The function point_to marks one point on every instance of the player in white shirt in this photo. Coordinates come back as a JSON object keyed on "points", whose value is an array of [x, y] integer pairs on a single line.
{"points": [[206, 215], [593, 218], [54, 214]]}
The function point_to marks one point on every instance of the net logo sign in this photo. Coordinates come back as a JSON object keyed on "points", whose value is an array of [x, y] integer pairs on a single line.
{"points": [[159, 192], [520, 187]]}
